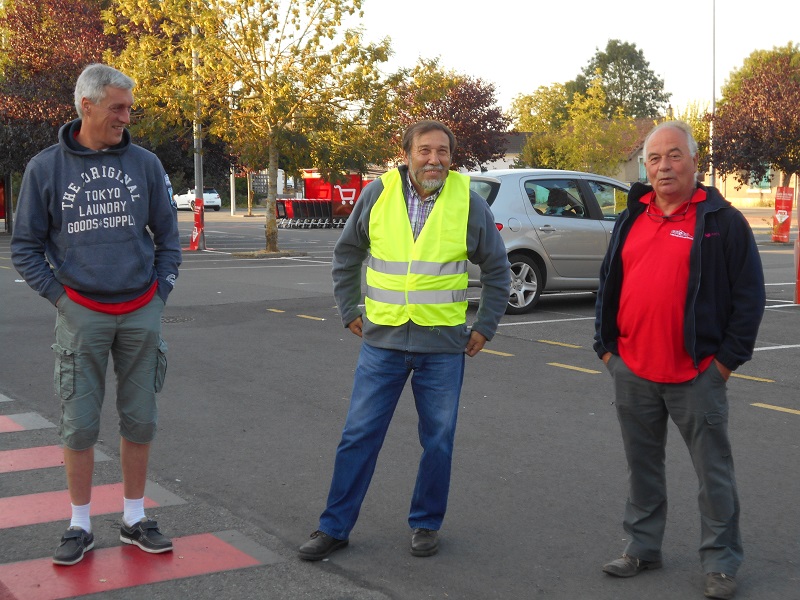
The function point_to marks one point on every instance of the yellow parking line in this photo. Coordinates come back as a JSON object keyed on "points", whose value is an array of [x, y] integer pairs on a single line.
{"points": [[557, 343], [275, 310], [752, 378], [496, 352], [310, 317], [592, 371], [778, 408]]}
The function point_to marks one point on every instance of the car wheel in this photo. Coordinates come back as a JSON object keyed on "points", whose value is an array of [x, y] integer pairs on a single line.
{"points": [[216, 208], [526, 284], [191, 205]]}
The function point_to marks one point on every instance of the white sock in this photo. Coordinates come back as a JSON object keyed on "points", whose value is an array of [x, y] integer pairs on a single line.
{"points": [[80, 517], [134, 511]]}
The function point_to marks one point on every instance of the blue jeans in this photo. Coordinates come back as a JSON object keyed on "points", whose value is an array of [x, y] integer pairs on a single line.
{"points": [[380, 378]]}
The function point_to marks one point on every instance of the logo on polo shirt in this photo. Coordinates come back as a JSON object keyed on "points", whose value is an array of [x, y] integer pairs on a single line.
{"points": [[680, 233]]}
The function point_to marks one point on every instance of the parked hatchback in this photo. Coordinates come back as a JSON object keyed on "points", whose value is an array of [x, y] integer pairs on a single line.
{"points": [[211, 199], [555, 225]]}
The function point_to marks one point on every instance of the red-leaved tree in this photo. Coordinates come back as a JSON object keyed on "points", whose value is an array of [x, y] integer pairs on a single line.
{"points": [[46, 45], [757, 124]]}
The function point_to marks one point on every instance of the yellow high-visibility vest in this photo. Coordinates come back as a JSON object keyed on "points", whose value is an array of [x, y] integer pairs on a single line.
{"points": [[423, 280]]}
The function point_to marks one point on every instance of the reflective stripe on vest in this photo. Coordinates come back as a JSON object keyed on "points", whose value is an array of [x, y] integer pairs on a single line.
{"points": [[400, 284]]}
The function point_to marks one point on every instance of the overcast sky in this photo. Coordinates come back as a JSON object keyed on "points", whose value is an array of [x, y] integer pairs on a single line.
{"points": [[520, 45]]}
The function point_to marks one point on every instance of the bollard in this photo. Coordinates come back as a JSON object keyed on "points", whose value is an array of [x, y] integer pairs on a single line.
{"points": [[198, 241]]}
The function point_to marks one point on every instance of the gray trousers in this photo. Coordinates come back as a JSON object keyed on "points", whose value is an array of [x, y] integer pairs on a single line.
{"points": [[699, 408]]}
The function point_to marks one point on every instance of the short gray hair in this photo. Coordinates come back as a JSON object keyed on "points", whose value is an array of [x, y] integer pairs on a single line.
{"points": [[679, 125], [92, 84]]}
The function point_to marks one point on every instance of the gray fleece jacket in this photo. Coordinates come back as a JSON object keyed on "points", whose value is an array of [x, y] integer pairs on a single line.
{"points": [[100, 222], [484, 247]]}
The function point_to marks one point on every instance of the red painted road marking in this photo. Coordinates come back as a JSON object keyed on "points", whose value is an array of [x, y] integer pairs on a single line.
{"points": [[120, 567], [31, 458], [55, 506], [8, 425]]}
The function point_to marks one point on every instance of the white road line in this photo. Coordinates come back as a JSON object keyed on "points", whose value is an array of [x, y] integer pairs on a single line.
{"points": [[777, 347], [547, 321]]}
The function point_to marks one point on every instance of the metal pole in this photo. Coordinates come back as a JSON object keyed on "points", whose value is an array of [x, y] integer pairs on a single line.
{"points": [[198, 241], [713, 90], [233, 191]]}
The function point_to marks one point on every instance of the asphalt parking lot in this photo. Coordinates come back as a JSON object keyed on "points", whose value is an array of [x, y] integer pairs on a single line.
{"points": [[259, 378]]}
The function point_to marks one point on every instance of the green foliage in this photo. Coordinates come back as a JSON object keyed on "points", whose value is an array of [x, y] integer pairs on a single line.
{"points": [[757, 122], [698, 117], [586, 141], [547, 109], [629, 84], [257, 74]]}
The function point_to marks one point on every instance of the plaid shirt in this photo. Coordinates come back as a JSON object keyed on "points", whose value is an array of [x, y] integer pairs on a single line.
{"points": [[419, 208]]}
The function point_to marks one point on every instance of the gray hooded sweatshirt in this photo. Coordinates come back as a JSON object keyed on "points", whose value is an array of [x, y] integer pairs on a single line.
{"points": [[100, 222]]}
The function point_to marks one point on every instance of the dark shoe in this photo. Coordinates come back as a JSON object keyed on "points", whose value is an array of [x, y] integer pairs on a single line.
{"points": [[146, 535], [424, 542], [74, 543], [719, 585], [320, 546], [628, 566]]}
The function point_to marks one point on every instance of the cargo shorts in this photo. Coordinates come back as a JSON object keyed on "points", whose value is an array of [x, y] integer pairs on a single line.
{"points": [[84, 341]]}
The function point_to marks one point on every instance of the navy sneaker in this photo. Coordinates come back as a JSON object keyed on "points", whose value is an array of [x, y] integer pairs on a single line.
{"points": [[146, 535], [74, 544]]}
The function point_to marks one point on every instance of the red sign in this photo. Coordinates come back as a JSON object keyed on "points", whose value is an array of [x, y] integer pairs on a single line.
{"points": [[198, 240], [782, 220]]}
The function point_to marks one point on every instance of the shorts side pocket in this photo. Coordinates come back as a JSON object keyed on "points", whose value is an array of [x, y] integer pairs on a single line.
{"points": [[64, 373], [161, 367]]}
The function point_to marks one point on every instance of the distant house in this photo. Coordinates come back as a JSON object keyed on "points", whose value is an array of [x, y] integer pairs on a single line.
{"points": [[514, 144]]}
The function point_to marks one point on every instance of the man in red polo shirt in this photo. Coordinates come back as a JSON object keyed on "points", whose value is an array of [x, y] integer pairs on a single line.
{"points": [[680, 301]]}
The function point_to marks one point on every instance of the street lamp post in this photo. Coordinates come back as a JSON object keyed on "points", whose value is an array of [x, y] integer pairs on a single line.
{"points": [[713, 89]]}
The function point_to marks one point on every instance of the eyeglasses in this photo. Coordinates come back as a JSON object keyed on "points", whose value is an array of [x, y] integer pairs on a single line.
{"points": [[681, 216]]}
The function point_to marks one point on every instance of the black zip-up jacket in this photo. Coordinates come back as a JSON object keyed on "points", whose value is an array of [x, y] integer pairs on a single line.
{"points": [[725, 298]]}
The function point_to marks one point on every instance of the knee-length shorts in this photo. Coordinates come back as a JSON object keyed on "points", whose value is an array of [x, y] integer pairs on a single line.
{"points": [[84, 341]]}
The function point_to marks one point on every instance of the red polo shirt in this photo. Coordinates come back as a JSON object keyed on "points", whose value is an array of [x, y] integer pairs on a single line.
{"points": [[655, 262]]}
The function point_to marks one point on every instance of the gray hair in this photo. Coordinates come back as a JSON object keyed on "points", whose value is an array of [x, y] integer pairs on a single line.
{"points": [[679, 125], [92, 84]]}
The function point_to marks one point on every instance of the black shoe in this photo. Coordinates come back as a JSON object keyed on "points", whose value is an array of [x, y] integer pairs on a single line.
{"points": [[628, 566], [320, 546], [74, 543], [424, 542], [146, 535], [719, 585]]}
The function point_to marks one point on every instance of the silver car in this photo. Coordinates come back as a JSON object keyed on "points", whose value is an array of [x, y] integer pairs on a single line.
{"points": [[555, 225]]}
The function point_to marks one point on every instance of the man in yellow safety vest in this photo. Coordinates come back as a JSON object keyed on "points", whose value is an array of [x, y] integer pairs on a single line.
{"points": [[417, 226]]}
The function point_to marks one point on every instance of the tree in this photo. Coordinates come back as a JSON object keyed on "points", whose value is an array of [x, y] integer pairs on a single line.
{"points": [[45, 46], [587, 141], [697, 116], [627, 80], [596, 144], [546, 109], [757, 123], [265, 72], [465, 104]]}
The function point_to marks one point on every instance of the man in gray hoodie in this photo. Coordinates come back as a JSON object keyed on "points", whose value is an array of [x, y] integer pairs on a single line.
{"points": [[96, 234]]}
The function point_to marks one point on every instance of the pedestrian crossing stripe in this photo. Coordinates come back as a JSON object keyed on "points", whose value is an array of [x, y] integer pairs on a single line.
{"points": [[23, 422], [40, 457], [46, 507], [120, 567]]}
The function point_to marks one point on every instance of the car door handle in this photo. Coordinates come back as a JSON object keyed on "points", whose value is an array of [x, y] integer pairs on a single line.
{"points": [[547, 228]]}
